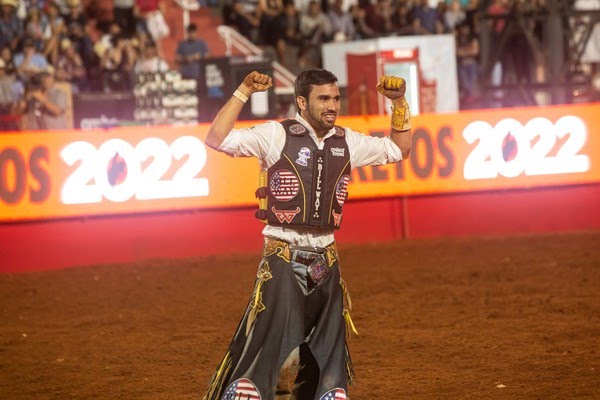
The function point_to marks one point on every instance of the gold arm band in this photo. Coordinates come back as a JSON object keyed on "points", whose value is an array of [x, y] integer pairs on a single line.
{"points": [[401, 115]]}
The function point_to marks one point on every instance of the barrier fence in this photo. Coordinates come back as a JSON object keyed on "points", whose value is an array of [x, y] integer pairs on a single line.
{"points": [[58, 174]]}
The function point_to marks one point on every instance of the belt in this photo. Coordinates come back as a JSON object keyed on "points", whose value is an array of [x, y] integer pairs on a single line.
{"points": [[292, 252]]}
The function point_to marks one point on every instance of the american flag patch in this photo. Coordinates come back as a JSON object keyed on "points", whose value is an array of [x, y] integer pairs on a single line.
{"points": [[244, 389], [341, 190], [284, 185], [335, 394]]}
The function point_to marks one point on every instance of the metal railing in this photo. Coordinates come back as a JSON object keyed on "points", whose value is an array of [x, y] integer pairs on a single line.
{"points": [[284, 79]]}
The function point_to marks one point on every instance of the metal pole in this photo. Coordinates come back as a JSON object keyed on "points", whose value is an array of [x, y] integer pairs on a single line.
{"points": [[556, 45]]}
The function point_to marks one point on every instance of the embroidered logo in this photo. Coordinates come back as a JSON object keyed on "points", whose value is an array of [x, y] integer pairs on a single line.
{"points": [[243, 389], [338, 152], [318, 189], [284, 185], [303, 156], [340, 132], [341, 190], [337, 218], [285, 215], [335, 394], [297, 129]]}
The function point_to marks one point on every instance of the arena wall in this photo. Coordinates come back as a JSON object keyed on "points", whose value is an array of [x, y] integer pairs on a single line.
{"points": [[40, 230]]}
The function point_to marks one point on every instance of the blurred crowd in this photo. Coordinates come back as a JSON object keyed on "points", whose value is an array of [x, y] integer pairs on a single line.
{"points": [[296, 28], [90, 47], [49, 48], [304, 24]]}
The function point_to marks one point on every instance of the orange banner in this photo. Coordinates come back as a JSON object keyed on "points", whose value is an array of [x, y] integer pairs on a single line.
{"points": [[131, 170]]}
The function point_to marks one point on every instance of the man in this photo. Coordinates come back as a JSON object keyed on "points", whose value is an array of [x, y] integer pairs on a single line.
{"points": [[292, 338], [10, 91], [44, 104], [150, 61], [30, 62], [342, 25], [189, 53]]}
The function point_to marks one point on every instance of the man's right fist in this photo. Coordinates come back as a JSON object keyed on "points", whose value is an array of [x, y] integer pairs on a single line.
{"points": [[255, 82]]}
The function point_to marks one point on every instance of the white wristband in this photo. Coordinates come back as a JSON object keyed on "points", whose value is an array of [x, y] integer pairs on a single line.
{"points": [[243, 98]]}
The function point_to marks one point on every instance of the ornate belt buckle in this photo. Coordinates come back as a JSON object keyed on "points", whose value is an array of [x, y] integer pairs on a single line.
{"points": [[319, 269]]}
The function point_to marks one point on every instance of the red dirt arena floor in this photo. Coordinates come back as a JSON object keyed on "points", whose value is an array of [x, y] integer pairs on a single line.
{"points": [[470, 318]]}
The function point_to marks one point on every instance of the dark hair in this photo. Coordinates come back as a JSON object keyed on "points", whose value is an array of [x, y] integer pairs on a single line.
{"points": [[192, 27], [28, 42], [310, 77]]}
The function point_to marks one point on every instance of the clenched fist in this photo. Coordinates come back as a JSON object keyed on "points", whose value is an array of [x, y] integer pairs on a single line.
{"points": [[255, 82], [392, 87]]}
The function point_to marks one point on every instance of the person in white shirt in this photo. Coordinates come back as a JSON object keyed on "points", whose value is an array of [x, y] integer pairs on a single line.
{"points": [[150, 62], [294, 329]]}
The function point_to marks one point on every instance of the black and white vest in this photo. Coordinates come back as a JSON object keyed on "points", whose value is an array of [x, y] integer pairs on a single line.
{"points": [[307, 186]]}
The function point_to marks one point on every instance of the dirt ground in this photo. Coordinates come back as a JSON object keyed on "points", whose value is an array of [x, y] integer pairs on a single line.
{"points": [[492, 318]]}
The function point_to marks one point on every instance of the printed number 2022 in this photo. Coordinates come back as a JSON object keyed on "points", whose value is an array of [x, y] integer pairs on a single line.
{"points": [[489, 157], [114, 170]]}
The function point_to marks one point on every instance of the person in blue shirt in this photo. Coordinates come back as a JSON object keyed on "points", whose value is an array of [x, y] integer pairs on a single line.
{"points": [[189, 53], [30, 61]]}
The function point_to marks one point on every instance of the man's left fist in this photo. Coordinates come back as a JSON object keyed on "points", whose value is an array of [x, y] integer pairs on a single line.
{"points": [[392, 87]]}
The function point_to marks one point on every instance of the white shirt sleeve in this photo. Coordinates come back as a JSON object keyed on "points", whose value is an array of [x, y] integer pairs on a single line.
{"points": [[263, 141], [371, 150]]}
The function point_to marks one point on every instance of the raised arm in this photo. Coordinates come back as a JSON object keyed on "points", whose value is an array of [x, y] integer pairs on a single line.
{"points": [[394, 89], [228, 114]]}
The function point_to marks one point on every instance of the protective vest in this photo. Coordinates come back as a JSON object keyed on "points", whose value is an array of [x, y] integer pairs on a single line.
{"points": [[306, 186]]}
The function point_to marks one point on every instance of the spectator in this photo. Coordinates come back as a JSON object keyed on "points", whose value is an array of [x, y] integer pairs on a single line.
{"points": [[403, 20], [43, 104], [6, 55], [315, 29], [114, 31], [75, 21], [10, 91], [124, 15], [189, 53], [243, 16], [11, 27], [37, 4], [467, 52], [382, 20], [30, 62], [289, 26], [342, 26], [301, 5], [117, 65], [426, 19], [453, 16], [472, 15], [150, 13], [55, 20], [314, 25], [37, 28], [63, 6], [57, 32], [150, 62], [362, 29], [70, 68], [269, 11]]}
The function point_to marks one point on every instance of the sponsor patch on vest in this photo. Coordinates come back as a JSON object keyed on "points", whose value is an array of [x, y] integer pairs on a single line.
{"points": [[335, 394], [340, 132], [285, 215], [297, 129], [338, 152], [337, 218], [284, 185], [242, 389], [341, 190], [303, 156]]}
